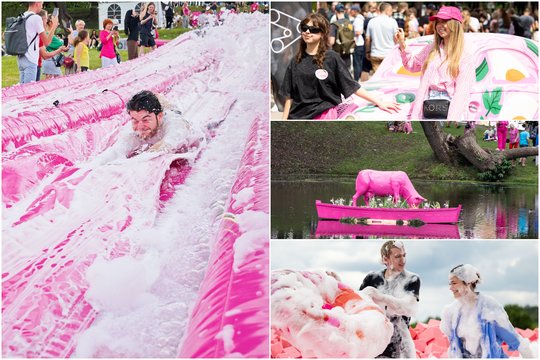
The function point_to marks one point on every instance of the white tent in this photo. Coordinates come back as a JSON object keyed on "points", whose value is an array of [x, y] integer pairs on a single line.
{"points": [[117, 11]]}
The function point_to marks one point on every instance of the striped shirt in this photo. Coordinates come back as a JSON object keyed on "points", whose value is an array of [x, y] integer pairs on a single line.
{"points": [[436, 77]]}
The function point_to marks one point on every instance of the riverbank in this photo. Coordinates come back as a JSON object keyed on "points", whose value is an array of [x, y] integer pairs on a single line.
{"points": [[341, 149]]}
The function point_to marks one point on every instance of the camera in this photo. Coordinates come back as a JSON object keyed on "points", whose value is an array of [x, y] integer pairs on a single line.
{"points": [[115, 28]]}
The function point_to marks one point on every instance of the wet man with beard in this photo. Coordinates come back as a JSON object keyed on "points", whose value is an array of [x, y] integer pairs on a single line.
{"points": [[151, 129], [397, 291]]}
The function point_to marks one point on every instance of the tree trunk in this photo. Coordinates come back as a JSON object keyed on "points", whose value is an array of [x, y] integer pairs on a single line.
{"points": [[477, 156], [64, 18], [448, 148], [520, 152], [438, 141]]}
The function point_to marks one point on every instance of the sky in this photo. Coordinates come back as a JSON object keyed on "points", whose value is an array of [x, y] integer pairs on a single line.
{"points": [[509, 269]]}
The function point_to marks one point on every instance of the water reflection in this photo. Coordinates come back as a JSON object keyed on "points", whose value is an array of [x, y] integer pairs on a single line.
{"points": [[489, 211]]}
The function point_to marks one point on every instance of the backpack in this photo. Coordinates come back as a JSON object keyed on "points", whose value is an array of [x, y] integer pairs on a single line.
{"points": [[15, 35], [345, 37]]}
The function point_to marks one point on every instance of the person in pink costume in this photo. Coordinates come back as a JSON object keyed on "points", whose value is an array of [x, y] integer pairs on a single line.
{"points": [[447, 65], [502, 131]]}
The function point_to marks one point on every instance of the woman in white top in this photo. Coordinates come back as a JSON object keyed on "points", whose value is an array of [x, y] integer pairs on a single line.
{"points": [[476, 324]]}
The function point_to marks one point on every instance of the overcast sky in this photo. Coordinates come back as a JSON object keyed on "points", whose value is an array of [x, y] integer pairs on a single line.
{"points": [[509, 268]]}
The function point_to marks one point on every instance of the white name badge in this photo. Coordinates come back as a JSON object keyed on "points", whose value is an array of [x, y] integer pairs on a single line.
{"points": [[321, 74]]}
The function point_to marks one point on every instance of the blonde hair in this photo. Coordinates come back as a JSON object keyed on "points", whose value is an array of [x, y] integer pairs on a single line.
{"points": [[387, 247], [454, 47]]}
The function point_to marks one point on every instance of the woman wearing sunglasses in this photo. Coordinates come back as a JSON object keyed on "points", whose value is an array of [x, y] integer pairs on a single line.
{"points": [[317, 77], [447, 67], [476, 325]]}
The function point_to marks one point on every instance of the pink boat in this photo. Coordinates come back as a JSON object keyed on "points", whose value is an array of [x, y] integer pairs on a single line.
{"points": [[429, 216], [327, 228]]}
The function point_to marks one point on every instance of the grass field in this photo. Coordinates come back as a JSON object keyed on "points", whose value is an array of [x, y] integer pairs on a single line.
{"points": [[10, 72], [304, 149]]}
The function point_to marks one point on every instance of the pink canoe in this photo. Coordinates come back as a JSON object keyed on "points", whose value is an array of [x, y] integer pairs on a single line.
{"points": [[429, 216], [438, 231]]}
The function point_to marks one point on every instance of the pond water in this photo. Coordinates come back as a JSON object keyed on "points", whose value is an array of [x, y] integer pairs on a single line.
{"points": [[488, 211]]}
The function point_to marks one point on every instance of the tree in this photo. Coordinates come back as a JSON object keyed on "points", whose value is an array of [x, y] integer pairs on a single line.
{"points": [[64, 18], [452, 150], [523, 317]]}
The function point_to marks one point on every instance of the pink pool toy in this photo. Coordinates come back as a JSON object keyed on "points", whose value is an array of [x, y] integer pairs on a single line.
{"points": [[381, 183], [505, 86]]}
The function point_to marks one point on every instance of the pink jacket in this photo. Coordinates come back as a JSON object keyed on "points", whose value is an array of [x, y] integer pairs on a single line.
{"points": [[107, 49], [437, 77], [514, 135]]}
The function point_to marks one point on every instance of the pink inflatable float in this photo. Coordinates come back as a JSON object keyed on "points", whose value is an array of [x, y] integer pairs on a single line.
{"points": [[85, 243], [428, 339], [321, 317], [505, 86]]}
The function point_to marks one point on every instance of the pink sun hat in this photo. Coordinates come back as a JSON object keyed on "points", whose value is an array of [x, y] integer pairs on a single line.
{"points": [[447, 13]]}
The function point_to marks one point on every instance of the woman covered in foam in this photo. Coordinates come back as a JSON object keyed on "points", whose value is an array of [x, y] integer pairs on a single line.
{"points": [[476, 324], [323, 317]]}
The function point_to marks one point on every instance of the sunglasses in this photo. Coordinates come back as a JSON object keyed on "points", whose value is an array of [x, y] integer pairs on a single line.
{"points": [[312, 29]]}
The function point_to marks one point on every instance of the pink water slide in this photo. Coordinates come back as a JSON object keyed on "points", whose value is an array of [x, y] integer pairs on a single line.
{"points": [[61, 214]]}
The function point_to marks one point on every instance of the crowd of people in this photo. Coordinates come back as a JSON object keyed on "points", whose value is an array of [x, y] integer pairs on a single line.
{"points": [[372, 43], [365, 36], [70, 50]]}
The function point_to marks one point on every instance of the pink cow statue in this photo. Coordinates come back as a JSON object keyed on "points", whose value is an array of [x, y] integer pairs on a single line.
{"points": [[372, 183]]}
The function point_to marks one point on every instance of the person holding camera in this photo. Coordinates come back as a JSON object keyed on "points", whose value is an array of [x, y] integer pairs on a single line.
{"points": [[148, 19], [132, 25], [44, 54], [51, 67], [108, 37]]}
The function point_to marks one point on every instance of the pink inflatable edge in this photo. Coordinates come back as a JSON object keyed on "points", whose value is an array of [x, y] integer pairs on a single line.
{"points": [[236, 299]]}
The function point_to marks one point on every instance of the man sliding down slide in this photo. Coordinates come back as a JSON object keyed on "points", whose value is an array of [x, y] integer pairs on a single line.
{"points": [[152, 129], [397, 291], [324, 318]]}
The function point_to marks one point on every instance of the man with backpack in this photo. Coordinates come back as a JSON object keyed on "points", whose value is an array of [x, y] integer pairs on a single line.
{"points": [[359, 50], [341, 37], [380, 35], [22, 39]]}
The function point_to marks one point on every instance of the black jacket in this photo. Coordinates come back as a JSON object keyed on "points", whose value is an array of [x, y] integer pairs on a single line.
{"points": [[132, 25]]}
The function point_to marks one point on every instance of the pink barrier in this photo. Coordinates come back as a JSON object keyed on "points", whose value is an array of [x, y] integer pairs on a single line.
{"points": [[19, 129], [223, 325], [24, 168], [98, 76]]}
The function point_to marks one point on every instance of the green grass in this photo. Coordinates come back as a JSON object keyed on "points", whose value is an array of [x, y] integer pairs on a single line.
{"points": [[304, 149], [10, 72]]}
